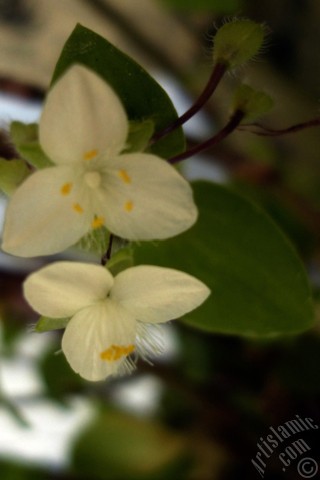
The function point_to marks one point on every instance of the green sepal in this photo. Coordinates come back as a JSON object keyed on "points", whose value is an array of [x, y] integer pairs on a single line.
{"points": [[139, 135], [96, 241], [121, 260], [12, 174], [46, 324], [26, 140]]}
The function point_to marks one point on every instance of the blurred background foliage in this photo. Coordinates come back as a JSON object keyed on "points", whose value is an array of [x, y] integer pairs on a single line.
{"points": [[218, 394]]}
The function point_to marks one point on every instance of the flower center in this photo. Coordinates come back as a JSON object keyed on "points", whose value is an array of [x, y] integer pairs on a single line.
{"points": [[92, 179], [115, 352]]}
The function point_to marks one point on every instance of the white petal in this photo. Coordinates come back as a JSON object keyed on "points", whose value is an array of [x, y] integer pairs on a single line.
{"points": [[93, 331], [146, 198], [40, 220], [63, 288], [82, 114], [156, 294]]}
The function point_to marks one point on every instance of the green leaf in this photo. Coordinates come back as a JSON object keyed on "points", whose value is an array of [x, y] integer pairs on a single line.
{"points": [[14, 411], [117, 446], [45, 324], [12, 469], [23, 132], [60, 381], [25, 139], [142, 97], [12, 173], [259, 286]]}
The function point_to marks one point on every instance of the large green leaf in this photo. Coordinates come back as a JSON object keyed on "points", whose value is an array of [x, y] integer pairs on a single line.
{"points": [[142, 97], [118, 446], [258, 283]]}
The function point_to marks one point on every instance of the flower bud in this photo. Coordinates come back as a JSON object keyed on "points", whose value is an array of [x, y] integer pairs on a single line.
{"points": [[252, 103], [237, 42]]}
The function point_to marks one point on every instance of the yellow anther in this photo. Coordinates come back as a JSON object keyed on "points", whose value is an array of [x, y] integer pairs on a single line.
{"points": [[97, 222], [115, 352], [66, 189], [124, 176], [77, 208], [90, 154], [128, 206]]}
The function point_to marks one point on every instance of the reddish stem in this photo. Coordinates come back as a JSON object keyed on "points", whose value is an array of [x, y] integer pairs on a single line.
{"points": [[221, 135], [271, 132], [216, 75], [106, 257]]}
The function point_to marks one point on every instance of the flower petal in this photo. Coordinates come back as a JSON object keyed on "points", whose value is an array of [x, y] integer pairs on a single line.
{"points": [[146, 198], [82, 117], [98, 339], [156, 294], [63, 288], [42, 219]]}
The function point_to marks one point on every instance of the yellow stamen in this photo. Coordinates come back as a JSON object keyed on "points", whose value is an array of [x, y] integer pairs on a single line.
{"points": [[97, 222], [128, 206], [77, 208], [124, 176], [66, 188], [115, 352], [90, 154]]}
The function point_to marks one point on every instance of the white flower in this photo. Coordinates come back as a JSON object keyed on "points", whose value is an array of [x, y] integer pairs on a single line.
{"points": [[83, 130], [110, 315]]}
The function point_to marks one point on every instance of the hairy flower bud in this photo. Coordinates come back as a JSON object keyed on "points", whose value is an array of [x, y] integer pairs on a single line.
{"points": [[237, 42]]}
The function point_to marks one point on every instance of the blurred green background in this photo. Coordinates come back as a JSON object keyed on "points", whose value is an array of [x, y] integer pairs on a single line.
{"points": [[200, 410]]}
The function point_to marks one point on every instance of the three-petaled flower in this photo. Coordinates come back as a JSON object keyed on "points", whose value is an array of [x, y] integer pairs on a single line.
{"points": [[83, 130], [110, 315]]}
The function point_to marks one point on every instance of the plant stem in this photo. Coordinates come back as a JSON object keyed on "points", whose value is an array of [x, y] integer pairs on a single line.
{"points": [[107, 255], [259, 129], [221, 135], [216, 75]]}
